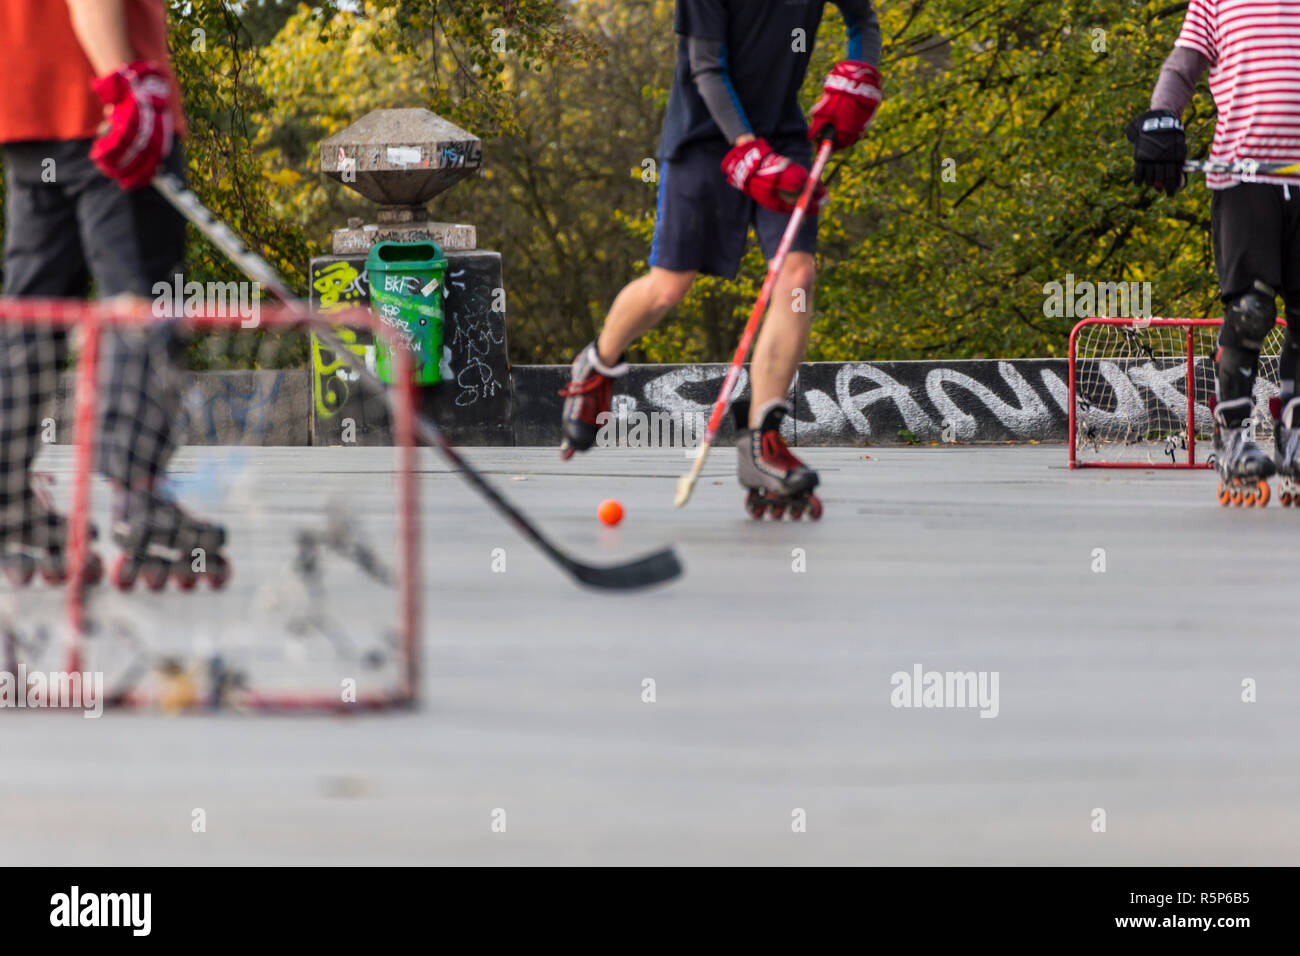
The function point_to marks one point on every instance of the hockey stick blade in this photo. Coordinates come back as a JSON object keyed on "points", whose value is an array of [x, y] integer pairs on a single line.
{"points": [[643, 572], [638, 573]]}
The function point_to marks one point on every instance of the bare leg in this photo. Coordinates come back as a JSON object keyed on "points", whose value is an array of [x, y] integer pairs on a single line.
{"points": [[638, 308], [784, 336]]}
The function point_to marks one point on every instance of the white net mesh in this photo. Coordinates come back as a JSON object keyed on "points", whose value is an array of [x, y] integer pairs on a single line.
{"points": [[1130, 391]]}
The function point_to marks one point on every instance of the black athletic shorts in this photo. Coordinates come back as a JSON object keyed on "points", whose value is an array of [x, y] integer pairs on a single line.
{"points": [[1256, 228], [702, 223], [67, 223]]}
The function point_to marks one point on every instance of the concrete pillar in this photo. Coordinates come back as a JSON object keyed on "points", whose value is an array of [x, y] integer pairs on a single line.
{"points": [[401, 160]]}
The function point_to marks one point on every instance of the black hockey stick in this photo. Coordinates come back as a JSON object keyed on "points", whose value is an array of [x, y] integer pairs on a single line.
{"points": [[642, 572], [1244, 168]]}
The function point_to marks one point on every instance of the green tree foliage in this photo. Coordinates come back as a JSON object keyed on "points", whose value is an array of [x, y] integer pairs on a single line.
{"points": [[997, 163], [1024, 104], [263, 19], [215, 59]]}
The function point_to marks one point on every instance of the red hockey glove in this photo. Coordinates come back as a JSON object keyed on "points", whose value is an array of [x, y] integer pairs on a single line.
{"points": [[139, 128], [770, 179], [850, 96]]}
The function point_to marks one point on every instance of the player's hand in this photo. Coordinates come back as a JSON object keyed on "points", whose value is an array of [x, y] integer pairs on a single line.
{"points": [[1159, 150], [770, 179], [137, 100], [849, 100]]}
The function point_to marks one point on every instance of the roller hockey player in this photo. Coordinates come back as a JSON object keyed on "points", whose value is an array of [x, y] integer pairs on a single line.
{"points": [[1252, 52], [90, 112], [734, 153]]}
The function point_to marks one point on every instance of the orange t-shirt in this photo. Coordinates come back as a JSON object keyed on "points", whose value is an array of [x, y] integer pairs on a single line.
{"points": [[46, 76]]}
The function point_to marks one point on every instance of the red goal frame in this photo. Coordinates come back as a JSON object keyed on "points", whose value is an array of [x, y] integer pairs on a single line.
{"points": [[1191, 325], [89, 320]]}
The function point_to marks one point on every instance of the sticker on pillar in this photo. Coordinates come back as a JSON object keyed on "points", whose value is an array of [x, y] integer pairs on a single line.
{"points": [[405, 156]]}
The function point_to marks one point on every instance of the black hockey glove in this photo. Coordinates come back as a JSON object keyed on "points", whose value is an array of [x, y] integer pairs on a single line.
{"points": [[1159, 149]]}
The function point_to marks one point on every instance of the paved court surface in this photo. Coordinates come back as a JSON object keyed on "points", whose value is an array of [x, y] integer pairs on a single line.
{"points": [[1118, 691]]}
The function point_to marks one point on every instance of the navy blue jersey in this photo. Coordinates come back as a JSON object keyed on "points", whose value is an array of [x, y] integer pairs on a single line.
{"points": [[765, 46]]}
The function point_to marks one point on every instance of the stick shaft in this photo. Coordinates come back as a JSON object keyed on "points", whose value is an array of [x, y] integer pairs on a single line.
{"points": [[755, 317], [1245, 167]]}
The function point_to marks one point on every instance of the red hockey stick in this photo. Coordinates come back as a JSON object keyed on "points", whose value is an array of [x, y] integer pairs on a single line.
{"points": [[686, 483]]}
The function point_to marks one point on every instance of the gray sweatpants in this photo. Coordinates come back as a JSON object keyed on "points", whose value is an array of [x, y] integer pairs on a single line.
{"points": [[68, 226]]}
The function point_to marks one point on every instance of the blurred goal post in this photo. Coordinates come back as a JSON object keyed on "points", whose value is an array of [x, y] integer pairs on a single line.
{"points": [[298, 675]]}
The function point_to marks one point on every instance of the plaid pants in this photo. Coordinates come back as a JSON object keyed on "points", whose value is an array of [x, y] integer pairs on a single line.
{"points": [[66, 226]]}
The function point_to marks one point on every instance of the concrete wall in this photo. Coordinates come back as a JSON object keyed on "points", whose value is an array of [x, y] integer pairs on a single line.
{"points": [[227, 408], [836, 403]]}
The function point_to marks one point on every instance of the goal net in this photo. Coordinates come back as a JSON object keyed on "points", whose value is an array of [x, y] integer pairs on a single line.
{"points": [[1140, 392], [309, 602]]}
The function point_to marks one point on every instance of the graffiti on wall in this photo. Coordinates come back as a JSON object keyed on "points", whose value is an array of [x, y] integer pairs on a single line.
{"points": [[336, 287], [234, 407], [332, 376], [476, 338], [849, 402], [339, 285], [975, 401], [887, 402]]}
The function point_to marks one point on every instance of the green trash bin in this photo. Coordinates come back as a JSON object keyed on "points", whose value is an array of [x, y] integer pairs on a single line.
{"points": [[406, 294]]}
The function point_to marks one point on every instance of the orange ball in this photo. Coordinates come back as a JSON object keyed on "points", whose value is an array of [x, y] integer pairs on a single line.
{"points": [[610, 512]]}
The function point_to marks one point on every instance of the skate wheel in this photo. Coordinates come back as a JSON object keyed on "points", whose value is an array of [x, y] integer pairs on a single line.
{"points": [[1223, 494], [1236, 497], [51, 573], [20, 569], [1262, 499], [185, 579], [123, 573], [155, 574], [777, 511], [93, 573], [814, 508], [796, 512], [219, 574], [755, 505]]}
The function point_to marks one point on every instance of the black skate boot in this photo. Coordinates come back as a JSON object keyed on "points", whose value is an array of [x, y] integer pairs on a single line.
{"points": [[34, 537], [585, 397], [1243, 468], [160, 540], [1286, 450], [777, 481]]}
